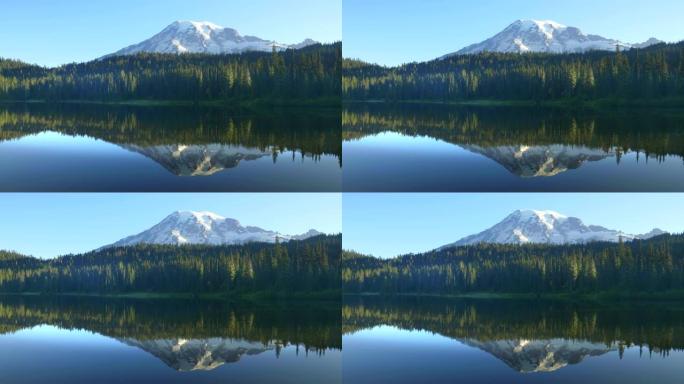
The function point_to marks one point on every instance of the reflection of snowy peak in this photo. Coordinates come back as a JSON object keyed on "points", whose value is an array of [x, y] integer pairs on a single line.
{"points": [[545, 160], [531, 226], [198, 160], [547, 36], [204, 37], [540, 355], [188, 227], [198, 354]]}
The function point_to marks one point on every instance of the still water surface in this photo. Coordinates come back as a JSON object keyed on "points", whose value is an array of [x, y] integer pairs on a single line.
{"points": [[105, 148], [445, 341], [445, 148], [63, 340]]}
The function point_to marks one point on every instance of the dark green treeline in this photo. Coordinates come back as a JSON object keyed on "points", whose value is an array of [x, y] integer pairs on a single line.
{"points": [[306, 266], [653, 72], [306, 74], [636, 267]]}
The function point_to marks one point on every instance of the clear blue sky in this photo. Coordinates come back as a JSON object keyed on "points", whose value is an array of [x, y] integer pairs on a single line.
{"points": [[50, 32], [387, 225], [392, 32], [48, 225]]}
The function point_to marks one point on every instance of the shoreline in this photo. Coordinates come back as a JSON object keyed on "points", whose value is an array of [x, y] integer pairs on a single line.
{"points": [[246, 104], [585, 297], [599, 103], [243, 297]]}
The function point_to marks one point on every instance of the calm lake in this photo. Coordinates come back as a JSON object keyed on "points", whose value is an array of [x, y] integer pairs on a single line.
{"points": [[88, 340], [73, 147], [448, 148], [504, 341]]}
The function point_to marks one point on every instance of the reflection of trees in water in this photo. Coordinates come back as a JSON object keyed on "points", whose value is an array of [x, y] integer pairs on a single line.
{"points": [[655, 133], [314, 327], [313, 133], [657, 327]]}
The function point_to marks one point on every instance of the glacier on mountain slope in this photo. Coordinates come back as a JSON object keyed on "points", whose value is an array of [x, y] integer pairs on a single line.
{"points": [[526, 35], [190, 227], [533, 226], [200, 354], [199, 160], [205, 37], [546, 355], [541, 160]]}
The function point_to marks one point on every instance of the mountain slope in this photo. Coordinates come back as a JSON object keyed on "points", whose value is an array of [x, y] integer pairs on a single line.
{"points": [[547, 36], [199, 354], [532, 226], [198, 160], [541, 160], [545, 355], [189, 227], [204, 37]]}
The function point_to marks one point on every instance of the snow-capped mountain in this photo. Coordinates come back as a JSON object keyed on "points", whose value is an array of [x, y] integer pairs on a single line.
{"points": [[204, 37], [198, 160], [541, 160], [547, 36], [532, 226], [189, 227], [540, 355], [199, 354]]}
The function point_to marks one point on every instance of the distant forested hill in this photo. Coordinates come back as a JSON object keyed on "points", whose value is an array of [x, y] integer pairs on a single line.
{"points": [[305, 266], [653, 72], [639, 266], [311, 73]]}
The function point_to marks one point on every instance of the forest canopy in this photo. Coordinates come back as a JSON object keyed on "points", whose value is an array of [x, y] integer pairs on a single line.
{"points": [[310, 265], [310, 73], [656, 72], [639, 266]]}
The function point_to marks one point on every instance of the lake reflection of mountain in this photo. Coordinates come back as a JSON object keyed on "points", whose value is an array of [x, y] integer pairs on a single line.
{"points": [[198, 160], [527, 336], [184, 335], [528, 143], [211, 143], [203, 354]]}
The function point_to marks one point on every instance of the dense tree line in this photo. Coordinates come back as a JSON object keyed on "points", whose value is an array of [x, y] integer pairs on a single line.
{"points": [[310, 265], [640, 266], [309, 73], [653, 72]]}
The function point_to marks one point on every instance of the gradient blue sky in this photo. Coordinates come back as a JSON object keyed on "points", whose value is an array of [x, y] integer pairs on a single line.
{"points": [[392, 32], [48, 225], [387, 225], [50, 33]]}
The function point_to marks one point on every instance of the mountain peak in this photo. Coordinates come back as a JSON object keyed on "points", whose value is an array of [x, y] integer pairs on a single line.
{"points": [[205, 227], [198, 215], [546, 226], [541, 213], [197, 24], [204, 218], [204, 28], [541, 24], [187, 36], [532, 35], [546, 217]]}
